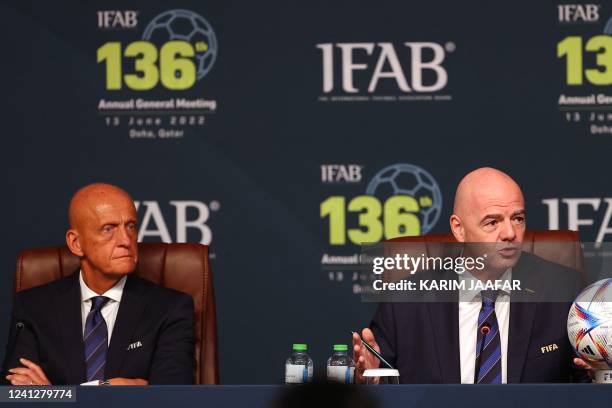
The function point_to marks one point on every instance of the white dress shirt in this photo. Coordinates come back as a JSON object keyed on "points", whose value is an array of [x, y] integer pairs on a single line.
{"points": [[469, 309], [109, 310]]}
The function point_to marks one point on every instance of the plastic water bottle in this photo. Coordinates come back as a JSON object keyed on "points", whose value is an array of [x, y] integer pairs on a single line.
{"points": [[299, 366], [340, 366]]}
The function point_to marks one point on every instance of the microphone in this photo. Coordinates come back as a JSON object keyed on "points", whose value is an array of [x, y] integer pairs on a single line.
{"points": [[19, 326], [484, 330]]}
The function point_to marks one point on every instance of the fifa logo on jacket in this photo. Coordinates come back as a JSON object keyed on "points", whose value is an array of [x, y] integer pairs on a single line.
{"points": [[549, 348]]}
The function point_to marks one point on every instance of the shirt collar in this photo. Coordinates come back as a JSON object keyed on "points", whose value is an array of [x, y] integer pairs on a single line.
{"points": [[113, 293], [472, 295]]}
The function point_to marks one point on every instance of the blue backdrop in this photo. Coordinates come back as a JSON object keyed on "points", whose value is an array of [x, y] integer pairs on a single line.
{"points": [[284, 134]]}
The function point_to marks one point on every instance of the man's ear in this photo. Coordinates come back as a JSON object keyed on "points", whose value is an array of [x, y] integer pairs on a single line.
{"points": [[457, 228], [73, 240]]}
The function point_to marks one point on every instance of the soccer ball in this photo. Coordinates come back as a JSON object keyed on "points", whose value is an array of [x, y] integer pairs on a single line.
{"points": [[187, 26], [589, 324], [410, 180]]}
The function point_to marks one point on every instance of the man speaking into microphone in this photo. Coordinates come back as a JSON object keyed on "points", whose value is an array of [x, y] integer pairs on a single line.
{"points": [[482, 336]]}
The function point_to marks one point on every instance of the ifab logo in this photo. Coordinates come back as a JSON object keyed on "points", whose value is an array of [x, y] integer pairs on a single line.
{"points": [[109, 19], [586, 57], [341, 173], [578, 13], [188, 216], [581, 213], [400, 200], [374, 63], [178, 48]]}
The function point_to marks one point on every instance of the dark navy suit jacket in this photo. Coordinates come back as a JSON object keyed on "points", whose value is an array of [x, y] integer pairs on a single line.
{"points": [[421, 339], [152, 337]]}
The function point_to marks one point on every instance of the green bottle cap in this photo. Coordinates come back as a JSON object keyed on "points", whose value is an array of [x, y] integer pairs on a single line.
{"points": [[300, 347], [340, 347]]}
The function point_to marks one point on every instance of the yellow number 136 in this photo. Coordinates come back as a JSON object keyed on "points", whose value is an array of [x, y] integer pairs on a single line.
{"points": [[571, 49], [176, 67], [398, 213]]}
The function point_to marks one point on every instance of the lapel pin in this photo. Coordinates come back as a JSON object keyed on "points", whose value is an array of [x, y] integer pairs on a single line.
{"points": [[134, 345], [549, 348]]}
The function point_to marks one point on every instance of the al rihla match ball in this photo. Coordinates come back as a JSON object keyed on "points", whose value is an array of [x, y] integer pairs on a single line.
{"points": [[589, 324]]}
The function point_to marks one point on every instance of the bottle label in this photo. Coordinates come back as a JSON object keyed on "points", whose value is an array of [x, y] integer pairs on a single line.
{"points": [[341, 374], [297, 374]]}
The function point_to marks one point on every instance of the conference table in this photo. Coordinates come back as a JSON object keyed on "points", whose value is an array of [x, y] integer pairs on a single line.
{"points": [[388, 396]]}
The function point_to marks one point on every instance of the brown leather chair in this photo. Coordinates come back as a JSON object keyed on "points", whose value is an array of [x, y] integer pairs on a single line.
{"points": [[540, 243], [183, 267]]}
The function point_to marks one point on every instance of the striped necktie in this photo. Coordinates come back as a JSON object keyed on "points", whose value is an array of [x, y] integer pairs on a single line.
{"points": [[96, 340], [489, 360]]}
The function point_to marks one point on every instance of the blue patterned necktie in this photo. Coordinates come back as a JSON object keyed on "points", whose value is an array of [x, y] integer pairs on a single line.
{"points": [[96, 340], [490, 360]]}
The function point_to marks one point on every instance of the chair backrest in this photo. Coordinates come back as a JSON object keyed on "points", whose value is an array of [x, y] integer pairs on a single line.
{"points": [[540, 243], [183, 267]]}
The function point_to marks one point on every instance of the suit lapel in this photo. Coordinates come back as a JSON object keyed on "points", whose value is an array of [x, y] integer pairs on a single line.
{"points": [[444, 316], [132, 306], [445, 324], [523, 309], [68, 301]]}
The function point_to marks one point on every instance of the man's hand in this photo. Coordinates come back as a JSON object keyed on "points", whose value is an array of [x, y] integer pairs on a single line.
{"points": [[128, 381], [31, 374], [364, 360], [586, 366]]}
